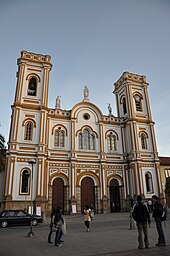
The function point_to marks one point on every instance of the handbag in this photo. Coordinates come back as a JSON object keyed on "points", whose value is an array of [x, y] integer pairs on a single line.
{"points": [[54, 228]]}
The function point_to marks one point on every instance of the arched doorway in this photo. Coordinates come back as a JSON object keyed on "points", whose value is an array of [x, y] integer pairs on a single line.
{"points": [[58, 193], [87, 193], [114, 196]]}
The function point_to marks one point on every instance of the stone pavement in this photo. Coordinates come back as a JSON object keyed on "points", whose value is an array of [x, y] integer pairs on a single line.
{"points": [[109, 235]]}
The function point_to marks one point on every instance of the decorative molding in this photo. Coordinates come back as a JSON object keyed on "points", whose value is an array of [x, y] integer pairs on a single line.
{"points": [[31, 101], [27, 148], [87, 156], [35, 57], [59, 155], [146, 155], [32, 69], [87, 166], [64, 171], [59, 165], [111, 172], [113, 157], [113, 167], [147, 165]]}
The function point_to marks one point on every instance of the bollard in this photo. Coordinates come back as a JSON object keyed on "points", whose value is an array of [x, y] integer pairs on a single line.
{"points": [[44, 217]]}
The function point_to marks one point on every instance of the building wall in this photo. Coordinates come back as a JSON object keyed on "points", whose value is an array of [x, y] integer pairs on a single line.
{"points": [[117, 175], [165, 174]]}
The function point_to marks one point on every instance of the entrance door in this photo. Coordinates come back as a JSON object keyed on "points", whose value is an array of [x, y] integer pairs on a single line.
{"points": [[87, 193], [58, 193], [114, 196]]}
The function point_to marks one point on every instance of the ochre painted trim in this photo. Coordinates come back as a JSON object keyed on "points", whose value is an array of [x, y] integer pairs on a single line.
{"points": [[87, 174]]}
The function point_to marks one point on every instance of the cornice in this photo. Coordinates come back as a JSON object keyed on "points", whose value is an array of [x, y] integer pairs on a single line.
{"points": [[34, 57]]}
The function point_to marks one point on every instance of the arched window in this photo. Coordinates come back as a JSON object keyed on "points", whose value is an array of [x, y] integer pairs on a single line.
{"points": [[148, 179], [80, 141], [93, 141], [111, 139], [56, 138], [143, 141], [32, 87], [86, 134], [62, 138], [25, 181], [123, 101], [59, 138], [138, 102], [87, 140], [28, 131]]}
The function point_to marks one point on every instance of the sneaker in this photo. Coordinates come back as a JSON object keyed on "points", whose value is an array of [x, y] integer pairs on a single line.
{"points": [[161, 244], [58, 245], [140, 247], [147, 246]]}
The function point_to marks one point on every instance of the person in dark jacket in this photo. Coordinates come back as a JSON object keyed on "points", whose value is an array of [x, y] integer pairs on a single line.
{"points": [[157, 214], [141, 216]]}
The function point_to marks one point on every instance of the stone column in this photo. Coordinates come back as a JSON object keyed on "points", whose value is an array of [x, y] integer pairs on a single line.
{"points": [[105, 204]]}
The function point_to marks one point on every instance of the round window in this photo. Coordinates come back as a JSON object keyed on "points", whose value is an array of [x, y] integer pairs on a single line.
{"points": [[86, 116]]}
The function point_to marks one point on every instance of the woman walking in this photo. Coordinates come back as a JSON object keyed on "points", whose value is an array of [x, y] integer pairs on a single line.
{"points": [[59, 224], [87, 217]]}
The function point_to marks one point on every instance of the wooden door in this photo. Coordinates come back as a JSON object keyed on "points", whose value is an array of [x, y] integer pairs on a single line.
{"points": [[58, 193], [87, 193], [114, 196]]}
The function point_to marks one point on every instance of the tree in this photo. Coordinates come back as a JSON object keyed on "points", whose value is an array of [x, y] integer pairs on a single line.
{"points": [[2, 153]]}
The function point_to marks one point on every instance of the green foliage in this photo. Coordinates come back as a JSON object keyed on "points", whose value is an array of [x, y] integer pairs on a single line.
{"points": [[2, 153], [2, 141], [167, 186]]}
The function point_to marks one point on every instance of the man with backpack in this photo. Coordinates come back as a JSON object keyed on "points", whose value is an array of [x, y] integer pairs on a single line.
{"points": [[157, 215], [141, 215]]}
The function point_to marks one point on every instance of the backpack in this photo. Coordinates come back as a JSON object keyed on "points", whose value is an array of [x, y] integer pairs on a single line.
{"points": [[134, 216], [164, 214]]}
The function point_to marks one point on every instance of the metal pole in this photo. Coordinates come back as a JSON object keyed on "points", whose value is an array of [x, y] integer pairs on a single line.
{"points": [[31, 233]]}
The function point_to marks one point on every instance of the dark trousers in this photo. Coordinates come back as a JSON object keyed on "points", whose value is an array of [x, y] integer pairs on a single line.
{"points": [[87, 224], [142, 229], [49, 235], [58, 235], [161, 237]]}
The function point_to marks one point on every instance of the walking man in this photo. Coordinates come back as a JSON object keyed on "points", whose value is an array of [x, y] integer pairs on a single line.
{"points": [[157, 214], [141, 216]]}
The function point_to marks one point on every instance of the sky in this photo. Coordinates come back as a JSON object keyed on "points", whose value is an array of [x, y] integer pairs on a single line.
{"points": [[91, 42]]}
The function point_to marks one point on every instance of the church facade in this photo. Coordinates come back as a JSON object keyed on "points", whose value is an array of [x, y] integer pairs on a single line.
{"points": [[79, 156]]}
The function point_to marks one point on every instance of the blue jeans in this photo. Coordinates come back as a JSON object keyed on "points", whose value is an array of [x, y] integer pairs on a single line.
{"points": [[161, 237], [58, 235]]}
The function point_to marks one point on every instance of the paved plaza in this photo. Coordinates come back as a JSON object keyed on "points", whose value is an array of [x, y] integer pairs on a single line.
{"points": [[110, 234]]}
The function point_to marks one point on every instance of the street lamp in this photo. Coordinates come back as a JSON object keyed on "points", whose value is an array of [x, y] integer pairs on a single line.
{"points": [[31, 233]]}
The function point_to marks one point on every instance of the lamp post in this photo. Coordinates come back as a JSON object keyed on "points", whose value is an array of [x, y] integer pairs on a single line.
{"points": [[31, 233]]}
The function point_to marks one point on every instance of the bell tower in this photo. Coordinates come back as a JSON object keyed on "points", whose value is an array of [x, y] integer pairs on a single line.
{"points": [[28, 128], [31, 93], [32, 79], [139, 150]]}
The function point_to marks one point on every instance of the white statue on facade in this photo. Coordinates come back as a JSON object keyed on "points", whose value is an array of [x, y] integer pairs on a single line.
{"points": [[86, 93], [58, 102], [110, 109]]}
